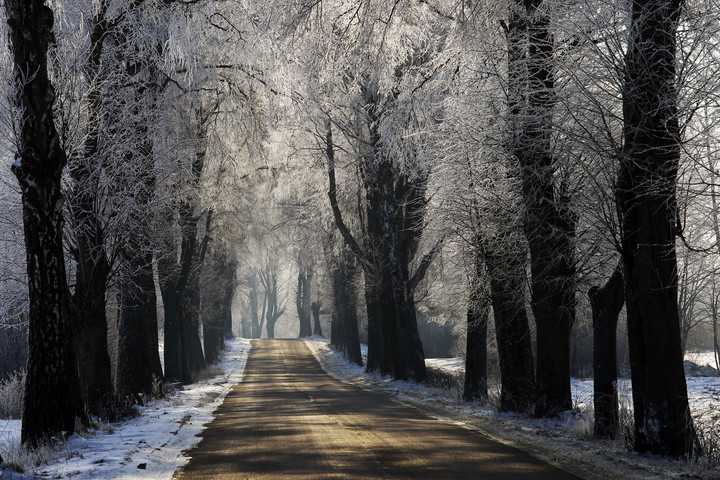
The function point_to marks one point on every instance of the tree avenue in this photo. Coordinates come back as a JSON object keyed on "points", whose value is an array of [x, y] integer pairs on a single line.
{"points": [[505, 180]]}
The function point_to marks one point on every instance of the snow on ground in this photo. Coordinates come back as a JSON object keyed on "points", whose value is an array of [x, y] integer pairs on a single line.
{"points": [[564, 442], [152, 445]]}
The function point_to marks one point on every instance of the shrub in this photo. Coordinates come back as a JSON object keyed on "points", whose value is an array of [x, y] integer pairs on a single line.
{"points": [[12, 393]]}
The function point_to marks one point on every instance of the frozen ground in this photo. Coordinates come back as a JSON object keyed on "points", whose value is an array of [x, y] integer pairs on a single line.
{"points": [[564, 442], [150, 446]]}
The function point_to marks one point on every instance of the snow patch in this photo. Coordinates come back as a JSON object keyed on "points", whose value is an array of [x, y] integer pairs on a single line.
{"points": [[153, 445]]}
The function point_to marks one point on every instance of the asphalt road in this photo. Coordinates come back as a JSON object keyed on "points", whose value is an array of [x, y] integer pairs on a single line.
{"points": [[288, 419]]}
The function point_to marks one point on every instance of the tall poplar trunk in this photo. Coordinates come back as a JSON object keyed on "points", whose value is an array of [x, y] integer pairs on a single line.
{"points": [[648, 210], [93, 268], [53, 399], [190, 324], [138, 360]]}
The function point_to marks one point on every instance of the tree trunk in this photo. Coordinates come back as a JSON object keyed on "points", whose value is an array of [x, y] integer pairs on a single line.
{"points": [[53, 400], [344, 334], [506, 270], [394, 207], [93, 268], [256, 326], [190, 320], [606, 304], [549, 226], [90, 327], [475, 386], [138, 365], [176, 368], [648, 208], [303, 300], [317, 328]]}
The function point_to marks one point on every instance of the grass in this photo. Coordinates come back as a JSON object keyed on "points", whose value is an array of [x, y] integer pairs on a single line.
{"points": [[12, 392]]}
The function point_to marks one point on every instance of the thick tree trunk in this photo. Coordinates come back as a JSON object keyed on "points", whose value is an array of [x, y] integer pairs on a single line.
{"points": [[138, 365], [506, 270], [93, 269], [394, 207], [549, 225], [648, 207], [176, 367], [90, 327], [53, 400], [606, 303], [190, 321]]}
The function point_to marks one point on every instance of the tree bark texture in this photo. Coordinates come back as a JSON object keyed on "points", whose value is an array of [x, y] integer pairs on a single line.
{"points": [[648, 208], [53, 399], [606, 303], [138, 360], [549, 226]]}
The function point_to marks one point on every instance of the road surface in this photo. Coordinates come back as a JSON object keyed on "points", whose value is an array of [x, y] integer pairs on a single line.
{"points": [[288, 419]]}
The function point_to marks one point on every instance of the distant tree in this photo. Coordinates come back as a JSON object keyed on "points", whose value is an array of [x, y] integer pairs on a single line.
{"points": [[317, 327], [274, 310], [302, 298], [53, 400]]}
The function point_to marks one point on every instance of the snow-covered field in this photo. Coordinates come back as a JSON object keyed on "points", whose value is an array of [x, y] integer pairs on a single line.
{"points": [[150, 446], [564, 442]]}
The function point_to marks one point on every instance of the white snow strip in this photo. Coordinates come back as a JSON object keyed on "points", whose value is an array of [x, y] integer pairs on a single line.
{"points": [[153, 445]]}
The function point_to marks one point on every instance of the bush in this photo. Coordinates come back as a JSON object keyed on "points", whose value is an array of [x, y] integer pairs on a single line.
{"points": [[12, 393]]}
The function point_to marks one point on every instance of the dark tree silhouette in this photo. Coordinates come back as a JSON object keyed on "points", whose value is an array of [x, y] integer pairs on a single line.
{"points": [[606, 303], [53, 400], [647, 205]]}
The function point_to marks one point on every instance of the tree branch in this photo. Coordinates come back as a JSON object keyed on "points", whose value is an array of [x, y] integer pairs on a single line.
{"points": [[425, 265], [332, 195]]}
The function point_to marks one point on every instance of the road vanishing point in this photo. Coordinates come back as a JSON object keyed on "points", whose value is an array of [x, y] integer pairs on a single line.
{"points": [[289, 419]]}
